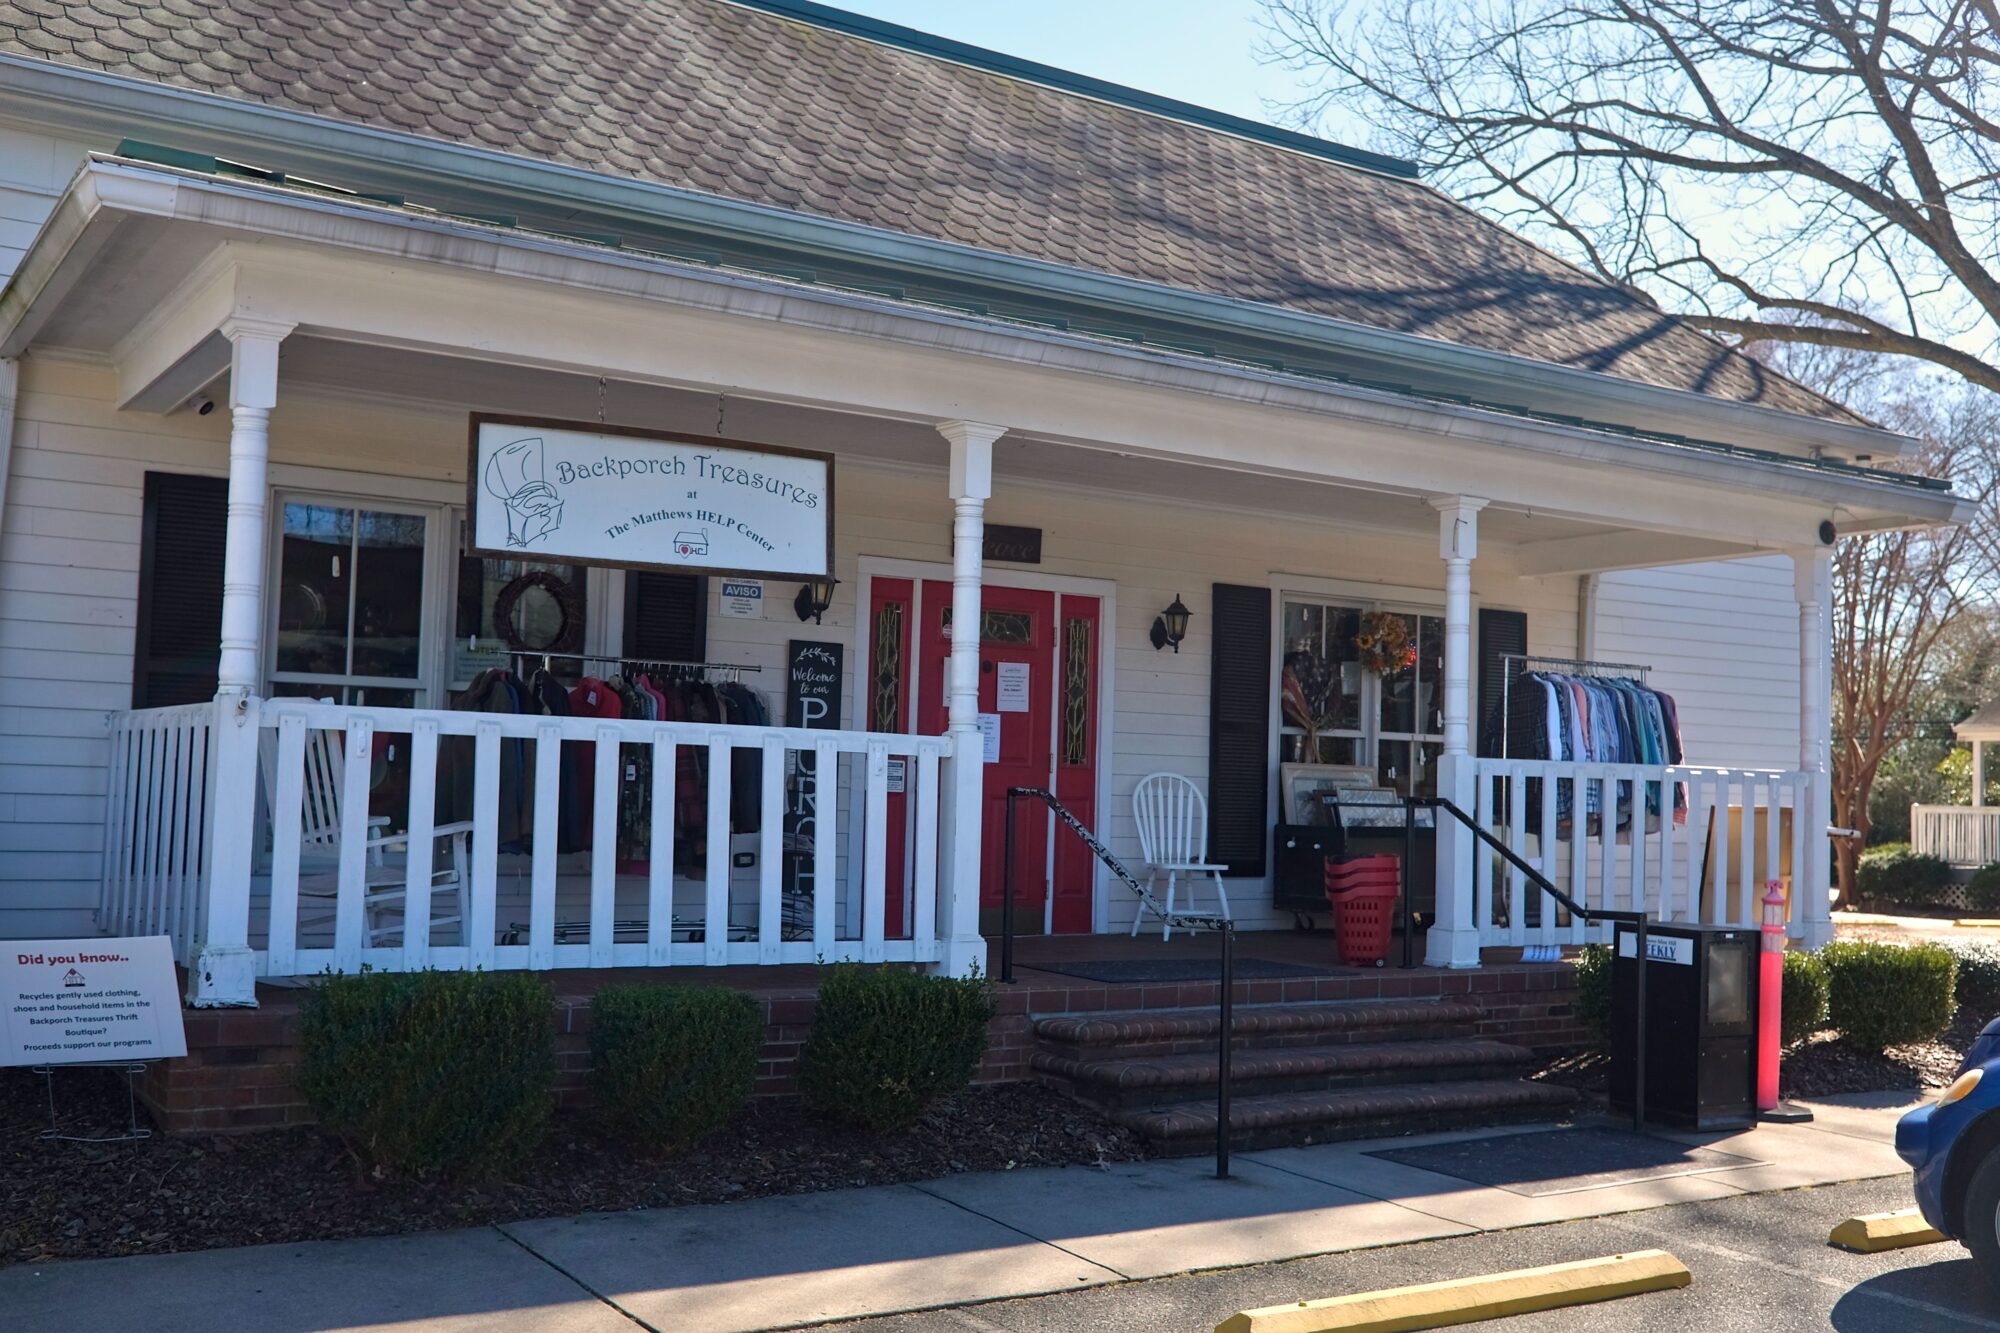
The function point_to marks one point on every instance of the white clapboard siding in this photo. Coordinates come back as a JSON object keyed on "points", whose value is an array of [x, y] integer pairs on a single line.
{"points": [[1723, 639]]}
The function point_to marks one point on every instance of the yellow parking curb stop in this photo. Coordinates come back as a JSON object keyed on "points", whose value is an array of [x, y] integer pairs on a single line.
{"points": [[1467, 1299], [1876, 1232]]}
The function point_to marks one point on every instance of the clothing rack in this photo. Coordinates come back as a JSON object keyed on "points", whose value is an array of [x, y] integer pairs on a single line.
{"points": [[732, 671], [1513, 664]]}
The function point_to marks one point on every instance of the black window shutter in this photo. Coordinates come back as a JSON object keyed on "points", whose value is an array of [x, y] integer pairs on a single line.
{"points": [[666, 616], [1239, 727], [178, 646], [1499, 632]]}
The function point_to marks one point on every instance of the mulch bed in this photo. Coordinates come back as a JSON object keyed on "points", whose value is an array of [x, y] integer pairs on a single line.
{"points": [[72, 1200], [1821, 1066], [1824, 1065]]}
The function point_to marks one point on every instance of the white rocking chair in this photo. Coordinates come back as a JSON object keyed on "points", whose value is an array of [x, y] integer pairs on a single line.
{"points": [[383, 880], [1172, 816]]}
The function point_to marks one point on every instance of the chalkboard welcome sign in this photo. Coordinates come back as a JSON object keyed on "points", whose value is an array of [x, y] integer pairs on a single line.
{"points": [[813, 673]]}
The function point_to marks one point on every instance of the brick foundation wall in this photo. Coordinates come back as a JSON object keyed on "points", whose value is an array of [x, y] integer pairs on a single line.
{"points": [[238, 1073]]}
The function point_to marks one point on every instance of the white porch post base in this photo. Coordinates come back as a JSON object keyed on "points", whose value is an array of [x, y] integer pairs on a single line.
{"points": [[960, 860], [223, 978], [224, 971], [1453, 940]]}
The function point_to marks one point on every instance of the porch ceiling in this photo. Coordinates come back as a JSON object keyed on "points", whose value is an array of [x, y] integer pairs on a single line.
{"points": [[431, 382], [141, 267]]}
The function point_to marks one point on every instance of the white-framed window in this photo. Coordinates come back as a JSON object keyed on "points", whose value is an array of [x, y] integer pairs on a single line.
{"points": [[1333, 709], [352, 617]]}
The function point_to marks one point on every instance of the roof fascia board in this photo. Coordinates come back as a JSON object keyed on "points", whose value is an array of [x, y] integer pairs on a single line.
{"points": [[138, 108], [344, 226]]}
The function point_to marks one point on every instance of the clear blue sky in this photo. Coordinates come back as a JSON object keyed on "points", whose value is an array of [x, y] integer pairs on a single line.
{"points": [[1200, 51]]}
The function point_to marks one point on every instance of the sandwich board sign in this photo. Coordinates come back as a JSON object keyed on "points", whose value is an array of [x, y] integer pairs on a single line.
{"points": [[85, 1001]]}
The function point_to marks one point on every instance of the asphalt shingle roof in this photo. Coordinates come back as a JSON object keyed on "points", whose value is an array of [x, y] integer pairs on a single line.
{"points": [[738, 102]]}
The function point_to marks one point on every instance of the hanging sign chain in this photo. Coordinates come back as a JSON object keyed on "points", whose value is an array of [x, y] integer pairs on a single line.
{"points": [[721, 407], [600, 400]]}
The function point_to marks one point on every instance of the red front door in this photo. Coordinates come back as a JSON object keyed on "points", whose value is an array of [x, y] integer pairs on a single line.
{"points": [[1029, 691]]}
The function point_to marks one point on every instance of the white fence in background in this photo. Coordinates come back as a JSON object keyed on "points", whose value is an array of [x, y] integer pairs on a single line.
{"points": [[155, 837], [1683, 844], [338, 889], [1960, 834]]}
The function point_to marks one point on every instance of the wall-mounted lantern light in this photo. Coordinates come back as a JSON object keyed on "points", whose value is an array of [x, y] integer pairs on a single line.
{"points": [[1170, 626], [815, 596]]}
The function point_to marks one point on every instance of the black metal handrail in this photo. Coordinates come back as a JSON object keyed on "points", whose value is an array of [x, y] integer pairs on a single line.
{"points": [[1226, 1004], [1637, 920]]}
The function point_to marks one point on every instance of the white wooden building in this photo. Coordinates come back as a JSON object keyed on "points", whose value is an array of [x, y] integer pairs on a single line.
{"points": [[261, 282]]}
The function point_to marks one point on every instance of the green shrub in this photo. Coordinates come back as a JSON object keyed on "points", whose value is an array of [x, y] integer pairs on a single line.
{"points": [[671, 1064], [1883, 995], [431, 1072], [1803, 1003], [886, 1043], [1982, 891], [1892, 873], [1593, 991], [1978, 975]]}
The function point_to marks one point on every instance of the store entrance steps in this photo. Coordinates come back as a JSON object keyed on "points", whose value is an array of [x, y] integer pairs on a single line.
{"points": [[1301, 1073]]}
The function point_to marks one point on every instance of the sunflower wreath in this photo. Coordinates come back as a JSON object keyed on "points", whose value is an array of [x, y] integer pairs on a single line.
{"points": [[1383, 643]]}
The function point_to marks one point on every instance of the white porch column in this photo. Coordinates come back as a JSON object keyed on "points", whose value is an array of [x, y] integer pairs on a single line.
{"points": [[965, 782], [1454, 936], [225, 970], [1812, 575]]}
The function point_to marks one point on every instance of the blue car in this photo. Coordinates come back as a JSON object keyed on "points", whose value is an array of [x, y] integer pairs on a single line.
{"points": [[1953, 1145]]}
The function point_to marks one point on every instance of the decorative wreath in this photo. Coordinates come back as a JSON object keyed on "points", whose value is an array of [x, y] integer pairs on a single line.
{"points": [[1383, 643], [568, 634]]}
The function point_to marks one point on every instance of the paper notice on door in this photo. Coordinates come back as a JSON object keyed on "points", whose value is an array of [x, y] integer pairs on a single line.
{"points": [[1011, 689], [989, 731]]}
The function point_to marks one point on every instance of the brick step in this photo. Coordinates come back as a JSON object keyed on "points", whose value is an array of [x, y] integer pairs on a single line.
{"points": [[1167, 1031], [1140, 1081], [1288, 1118]]}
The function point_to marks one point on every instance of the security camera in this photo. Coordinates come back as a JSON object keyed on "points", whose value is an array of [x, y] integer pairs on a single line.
{"points": [[201, 404]]}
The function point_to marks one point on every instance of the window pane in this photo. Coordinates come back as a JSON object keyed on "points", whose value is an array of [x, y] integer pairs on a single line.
{"points": [[315, 570], [1399, 694], [545, 608], [885, 709], [1320, 675], [1430, 675], [388, 594], [1076, 691]]}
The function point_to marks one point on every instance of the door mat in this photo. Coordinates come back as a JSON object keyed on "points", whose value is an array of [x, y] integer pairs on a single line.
{"points": [[1127, 971], [1565, 1161]]}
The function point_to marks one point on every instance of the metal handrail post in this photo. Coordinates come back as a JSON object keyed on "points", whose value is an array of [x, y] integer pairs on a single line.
{"points": [[1223, 1050], [1409, 865], [1007, 895]]}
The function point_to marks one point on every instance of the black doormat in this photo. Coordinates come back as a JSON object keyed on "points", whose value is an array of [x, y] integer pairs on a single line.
{"points": [[1564, 1161], [1126, 971]]}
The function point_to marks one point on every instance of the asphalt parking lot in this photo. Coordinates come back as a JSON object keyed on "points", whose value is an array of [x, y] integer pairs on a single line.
{"points": [[1759, 1262]]}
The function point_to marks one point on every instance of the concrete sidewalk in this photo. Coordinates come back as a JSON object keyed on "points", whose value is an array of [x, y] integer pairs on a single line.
{"points": [[782, 1262]]}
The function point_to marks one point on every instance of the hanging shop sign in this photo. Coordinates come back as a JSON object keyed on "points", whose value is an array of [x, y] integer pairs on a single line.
{"points": [[1011, 545], [603, 495], [80, 1001]]}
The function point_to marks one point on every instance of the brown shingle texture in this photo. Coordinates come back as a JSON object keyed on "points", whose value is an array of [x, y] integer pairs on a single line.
{"points": [[711, 96]]}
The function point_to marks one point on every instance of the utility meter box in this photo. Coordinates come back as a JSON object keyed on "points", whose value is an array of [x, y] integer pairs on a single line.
{"points": [[1701, 1023]]}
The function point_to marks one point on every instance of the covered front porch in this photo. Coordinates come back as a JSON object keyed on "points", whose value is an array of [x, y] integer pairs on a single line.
{"points": [[349, 340]]}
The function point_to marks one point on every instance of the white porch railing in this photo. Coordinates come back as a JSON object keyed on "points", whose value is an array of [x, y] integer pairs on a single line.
{"points": [[1963, 835], [155, 835], [1684, 844], [333, 887]]}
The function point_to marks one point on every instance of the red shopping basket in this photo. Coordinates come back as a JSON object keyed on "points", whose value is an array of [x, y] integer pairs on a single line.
{"points": [[1363, 894]]}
